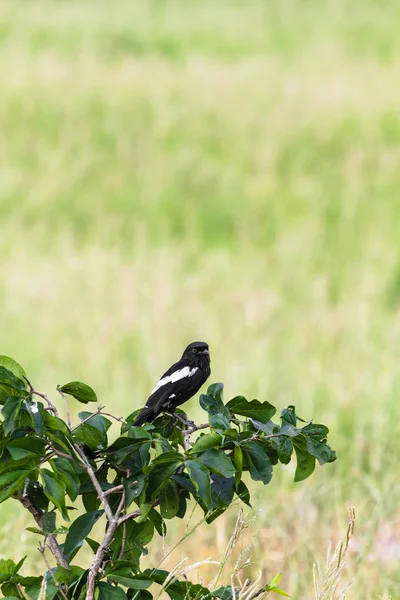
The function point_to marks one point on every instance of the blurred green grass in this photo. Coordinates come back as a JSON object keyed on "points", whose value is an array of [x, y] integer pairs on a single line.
{"points": [[228, 171]]}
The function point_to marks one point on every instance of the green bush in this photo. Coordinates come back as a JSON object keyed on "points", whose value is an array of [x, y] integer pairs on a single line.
{"points": [[143, 478]]}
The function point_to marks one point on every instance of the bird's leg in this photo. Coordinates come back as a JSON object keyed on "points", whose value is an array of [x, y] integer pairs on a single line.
{"points": [[181, 418]]}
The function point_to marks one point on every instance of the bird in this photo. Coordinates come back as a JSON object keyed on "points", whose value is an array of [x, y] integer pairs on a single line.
{"points": [[178, 384]]}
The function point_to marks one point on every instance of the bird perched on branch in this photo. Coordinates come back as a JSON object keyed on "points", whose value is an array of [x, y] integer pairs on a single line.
{"points": [[179, 383]]}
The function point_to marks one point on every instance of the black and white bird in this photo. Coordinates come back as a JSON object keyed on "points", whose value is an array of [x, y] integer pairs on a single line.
{"points": [[179, 383]]}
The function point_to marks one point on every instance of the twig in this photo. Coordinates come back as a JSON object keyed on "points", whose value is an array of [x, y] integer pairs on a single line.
{"points": [[122, 551], [114, 490], [56, 583], [64, 397], [102, 549], [98, 411], [96, 484], [137, 513], [120, 419], [51, 540], [51, 406], [186, 439], [194, 428], [258, 593]]}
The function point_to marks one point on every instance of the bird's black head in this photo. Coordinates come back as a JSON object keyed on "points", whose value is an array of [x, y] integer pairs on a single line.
{"points": [[197, 352]]}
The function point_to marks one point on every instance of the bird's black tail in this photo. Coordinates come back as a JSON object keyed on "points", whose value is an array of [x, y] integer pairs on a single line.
{"points": [[146, 416]]}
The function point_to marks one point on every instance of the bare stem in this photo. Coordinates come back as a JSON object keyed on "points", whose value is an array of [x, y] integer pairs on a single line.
{"points": [[102, 549], [122, 551], [64, 397], [56, 583], [51, 540], [113, 490], [98, 411], [102, 497], [32, 391]]}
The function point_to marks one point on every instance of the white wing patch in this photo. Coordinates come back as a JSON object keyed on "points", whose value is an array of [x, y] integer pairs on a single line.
{"points": [[181, 374]]}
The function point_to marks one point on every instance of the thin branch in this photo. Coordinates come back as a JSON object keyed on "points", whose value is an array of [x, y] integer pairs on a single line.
{"points": [[51, 540], [96, 484], [102, 549], [136, 513], [122, 551], [32, 391], [194, 428], [114, 490], [258, 593], [98, 411], [56, 583], [120, 419], [64, 397]]}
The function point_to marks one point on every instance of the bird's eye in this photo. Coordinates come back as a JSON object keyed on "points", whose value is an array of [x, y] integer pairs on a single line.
{"points": [[194, 350]]}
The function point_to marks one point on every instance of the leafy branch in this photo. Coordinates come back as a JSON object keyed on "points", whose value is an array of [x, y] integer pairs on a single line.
{"points": [[135, 483]]}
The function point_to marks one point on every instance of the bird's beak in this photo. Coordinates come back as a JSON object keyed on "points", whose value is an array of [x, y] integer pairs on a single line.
{"points": [[205, 351]]}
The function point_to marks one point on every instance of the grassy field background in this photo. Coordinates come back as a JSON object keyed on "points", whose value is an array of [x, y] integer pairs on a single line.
{"points": [[229, 171]]}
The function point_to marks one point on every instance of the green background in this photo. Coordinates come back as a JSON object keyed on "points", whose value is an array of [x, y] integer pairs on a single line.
{"points": [[228, 171]]}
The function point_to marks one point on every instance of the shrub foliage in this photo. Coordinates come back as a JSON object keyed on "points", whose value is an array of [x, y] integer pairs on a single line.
{"points": [[134, 483]]}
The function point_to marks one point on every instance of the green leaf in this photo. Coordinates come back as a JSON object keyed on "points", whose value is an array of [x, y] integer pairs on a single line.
{"points": [[206, 441], [68, 576], [35, 530], [137, 536], [305, 461], [243, 493], [11, 385], [66, 473], [138, 433], [55, 424], [216, 390], [238, 461], [79, 530], [96, 420], [110, 592], [273, 586], [158, 521], [259, 463], [55, 491], [11, 365], [159, 475], [133, 487], [49, 522], [12, 481], [26, 446], [91, 436], [136, 582], [322, 452], [219, 422], [222, 488], [7, 567], [80, 391], [211, 405], [168, 457], [218, 462], [10, 412], [224, 592], [200, 478], [169, 500], [315, 430], [284, 447], [262, 411]]}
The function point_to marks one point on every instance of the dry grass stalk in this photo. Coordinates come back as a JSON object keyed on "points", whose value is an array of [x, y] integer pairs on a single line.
{"points": [[327, 577]]}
